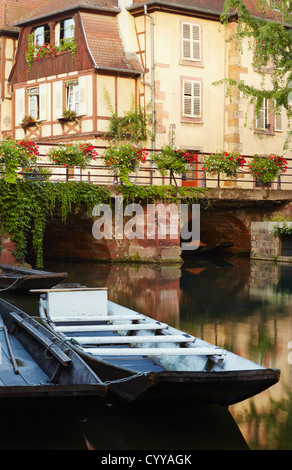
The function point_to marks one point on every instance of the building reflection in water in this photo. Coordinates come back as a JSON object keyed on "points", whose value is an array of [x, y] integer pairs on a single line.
{"points": [[238, 304]]}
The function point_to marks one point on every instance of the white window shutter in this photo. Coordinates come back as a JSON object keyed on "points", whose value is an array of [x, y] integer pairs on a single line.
{"points": [[279, 120], [197, 99], [191, 41], [57, 99], [43, 102], [82, 95], [196, 37], [192, 98], [19, 105], [186, 41], [57, 34], [260, 122]]}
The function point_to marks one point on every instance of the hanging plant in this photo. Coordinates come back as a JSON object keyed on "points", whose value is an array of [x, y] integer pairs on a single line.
{"points": [[72, 154], [267, 168], [17, 154], [124, 159], [174, 160], [227, 163]]}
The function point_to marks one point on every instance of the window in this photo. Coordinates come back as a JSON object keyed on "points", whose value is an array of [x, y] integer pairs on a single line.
{"points": [[37, 102], [263, 119], [33, 102], [72, 96], [64, 31], [191, 42], [192, 98], [268, 119], [41, 35]]}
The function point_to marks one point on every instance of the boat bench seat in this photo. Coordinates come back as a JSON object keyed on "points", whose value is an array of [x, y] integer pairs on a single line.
{"points": [[115, 327], [117, 339], [84, 318], [154, 351]]}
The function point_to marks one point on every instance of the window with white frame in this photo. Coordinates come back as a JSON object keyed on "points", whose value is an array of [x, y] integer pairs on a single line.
{"points": [[37, 102], [72, 96], [192, 98], [191, 41], [263, 118], [33, 102], [64, 31], [269, 119]]}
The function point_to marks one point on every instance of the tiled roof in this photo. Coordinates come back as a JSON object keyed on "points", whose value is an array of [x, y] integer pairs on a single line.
{"points": [[205, 6], [12, 11], [50, 7], [105, 44]]}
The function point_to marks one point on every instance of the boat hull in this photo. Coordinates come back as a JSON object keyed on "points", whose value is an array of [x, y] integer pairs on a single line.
{"points": [[35, 364], [221, 388], [18, 278]]}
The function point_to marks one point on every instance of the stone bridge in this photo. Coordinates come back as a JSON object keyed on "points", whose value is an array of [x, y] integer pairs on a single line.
{"points": [[225, 221]]}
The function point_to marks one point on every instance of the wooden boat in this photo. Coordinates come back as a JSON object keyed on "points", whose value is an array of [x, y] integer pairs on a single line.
{"points": [[21, 278], [144, 359], [33, 362]]}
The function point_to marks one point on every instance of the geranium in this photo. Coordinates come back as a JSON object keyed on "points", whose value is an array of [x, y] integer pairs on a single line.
{"points": [[175, 160], [70, 154], [27, 120], [223, 162], [267, 168], [89, 151], [17, 154], [124, 160], [69, 115]]}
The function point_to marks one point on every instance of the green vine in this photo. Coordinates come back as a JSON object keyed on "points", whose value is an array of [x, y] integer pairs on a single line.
{"points": [[182, 194], [280, 230], [25, 207], [132, 127]]}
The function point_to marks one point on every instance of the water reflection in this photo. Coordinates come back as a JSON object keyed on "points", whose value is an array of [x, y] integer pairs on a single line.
{"points": [[238, 304]]}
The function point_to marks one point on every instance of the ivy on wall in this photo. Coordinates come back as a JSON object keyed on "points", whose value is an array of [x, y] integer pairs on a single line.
{"points": [[26, 205]]}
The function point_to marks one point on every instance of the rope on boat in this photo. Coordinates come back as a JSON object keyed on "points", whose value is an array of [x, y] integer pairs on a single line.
{"points": [[125, 379], [9, 287]]}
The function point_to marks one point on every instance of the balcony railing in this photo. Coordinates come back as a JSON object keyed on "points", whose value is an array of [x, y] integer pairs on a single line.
{"points": [[149, 175]]}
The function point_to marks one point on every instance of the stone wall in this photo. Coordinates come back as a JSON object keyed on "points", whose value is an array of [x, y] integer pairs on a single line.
{"points": [[7, 248], [264, 245]]}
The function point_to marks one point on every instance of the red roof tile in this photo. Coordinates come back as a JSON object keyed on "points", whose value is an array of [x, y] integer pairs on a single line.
{"points": [[12, 11], [105, 43], [51, 7]]}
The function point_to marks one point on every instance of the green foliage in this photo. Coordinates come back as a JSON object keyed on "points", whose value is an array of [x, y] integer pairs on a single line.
{"points": [[132, 127], [174, 160], [272, 46], [72, 154], [123, 160], [15, 154], [25, 207], [223, 162], [267, 168], [283, 229], [183, 194], [34, 52]]}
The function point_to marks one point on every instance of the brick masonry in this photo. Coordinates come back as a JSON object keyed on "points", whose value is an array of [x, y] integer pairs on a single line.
{"points": [[264, 245]]}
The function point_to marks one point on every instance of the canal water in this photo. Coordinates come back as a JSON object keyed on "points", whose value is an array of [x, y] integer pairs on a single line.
{"points": [[242, 305]]}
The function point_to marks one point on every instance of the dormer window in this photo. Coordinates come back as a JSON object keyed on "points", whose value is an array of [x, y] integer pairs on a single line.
{"points": [[41, 35], [64, 31]]}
